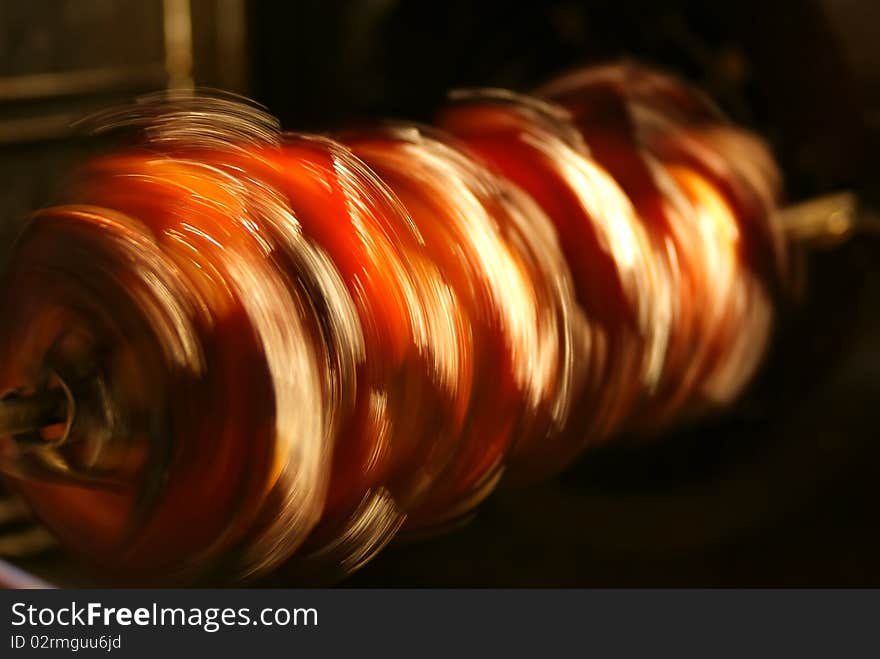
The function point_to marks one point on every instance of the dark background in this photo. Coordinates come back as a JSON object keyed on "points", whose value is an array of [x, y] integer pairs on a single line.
{"points": [[781, 491]]}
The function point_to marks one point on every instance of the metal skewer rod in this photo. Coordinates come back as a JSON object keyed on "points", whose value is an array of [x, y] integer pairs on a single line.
{"points": [[24, 414], [827, 220], [820, 222]]}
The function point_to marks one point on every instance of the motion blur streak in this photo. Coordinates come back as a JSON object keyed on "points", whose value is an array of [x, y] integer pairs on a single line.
{"points": [[285, 349]]}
